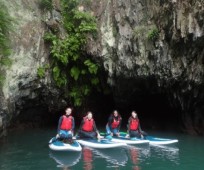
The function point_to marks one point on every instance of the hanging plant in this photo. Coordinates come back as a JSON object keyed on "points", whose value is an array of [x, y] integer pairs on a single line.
{"points": [[71, 67]]}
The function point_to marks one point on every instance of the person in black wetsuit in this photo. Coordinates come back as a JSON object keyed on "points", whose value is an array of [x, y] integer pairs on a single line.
{"points": [[134, 128], [88, 127], [114, 123], [66, 125]]}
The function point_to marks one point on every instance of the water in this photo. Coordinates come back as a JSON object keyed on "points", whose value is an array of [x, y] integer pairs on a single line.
{"points": [[28, 150]]}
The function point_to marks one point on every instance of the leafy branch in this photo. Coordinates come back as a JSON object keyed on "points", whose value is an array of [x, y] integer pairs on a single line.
{"points": [[71, 67]]}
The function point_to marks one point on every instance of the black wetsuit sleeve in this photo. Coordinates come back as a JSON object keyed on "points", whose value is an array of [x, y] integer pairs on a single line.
{"points": [[119, 124], [73, 124], [139, 128], [59, 124], [94, 127], [110, 120]]}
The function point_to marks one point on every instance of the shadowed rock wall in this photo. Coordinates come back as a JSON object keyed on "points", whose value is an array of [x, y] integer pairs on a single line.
{"points": [[146, 47]]}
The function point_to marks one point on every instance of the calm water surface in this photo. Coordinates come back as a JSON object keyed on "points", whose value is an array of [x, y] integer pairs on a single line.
{"points": [[28, 150]]}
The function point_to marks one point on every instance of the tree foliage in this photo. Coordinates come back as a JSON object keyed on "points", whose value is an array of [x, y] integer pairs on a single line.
{"points": [[71, 67], [5, 28]]}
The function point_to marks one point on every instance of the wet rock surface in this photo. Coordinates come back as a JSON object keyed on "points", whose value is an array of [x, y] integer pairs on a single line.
{"points": [[146, 47]]}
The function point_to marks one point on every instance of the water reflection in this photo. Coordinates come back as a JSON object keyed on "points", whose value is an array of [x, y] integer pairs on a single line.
{"points": [[130, 157], [137, 155], [134, 155], [87, 158], [65, 159], [116, 156], [167, 152]]}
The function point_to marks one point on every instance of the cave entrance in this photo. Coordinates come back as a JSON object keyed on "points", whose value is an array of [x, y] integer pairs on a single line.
{"points": [[154, 111], [152, 103], [153, 108]]}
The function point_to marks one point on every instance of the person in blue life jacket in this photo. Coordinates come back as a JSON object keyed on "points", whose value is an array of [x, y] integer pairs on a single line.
{"points": [[66, 126], [114, 123], [134, 128], [88, 128]]}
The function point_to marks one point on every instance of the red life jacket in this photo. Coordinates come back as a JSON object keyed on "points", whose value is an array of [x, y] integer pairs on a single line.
{"points": [[134, 124], [66, 123], [88, 125], [115, 123]]}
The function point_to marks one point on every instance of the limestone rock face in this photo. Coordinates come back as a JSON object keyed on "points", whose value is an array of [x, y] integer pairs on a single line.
{"points": [[148, 46], [22, 89], [154, 46]]}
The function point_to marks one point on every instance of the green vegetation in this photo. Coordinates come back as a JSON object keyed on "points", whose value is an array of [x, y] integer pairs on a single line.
{"points": [[146, 30], [153, 34], [42, 70], [149, 32], [5, 27], [71, 66]]}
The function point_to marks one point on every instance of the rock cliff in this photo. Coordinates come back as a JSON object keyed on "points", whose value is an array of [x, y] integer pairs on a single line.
{"points": [[154, 46], [149, 46]]}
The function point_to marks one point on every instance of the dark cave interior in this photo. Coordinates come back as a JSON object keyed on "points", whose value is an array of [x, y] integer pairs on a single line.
{"points": [[153, 110]]}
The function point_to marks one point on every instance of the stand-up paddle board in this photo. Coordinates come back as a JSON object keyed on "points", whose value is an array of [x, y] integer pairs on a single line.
{"points": [[57, 145], [160, 141], [124, 139], [102, 143], [151, 139]]}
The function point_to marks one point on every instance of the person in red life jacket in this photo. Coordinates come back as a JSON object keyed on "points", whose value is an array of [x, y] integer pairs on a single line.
{"points": [[134, 128], [88, 127], [114, 123], [66, 125]]}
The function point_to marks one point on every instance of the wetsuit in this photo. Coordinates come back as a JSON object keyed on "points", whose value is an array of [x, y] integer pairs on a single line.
{"points": [[113, 125], [134, 128], [88, 129]]}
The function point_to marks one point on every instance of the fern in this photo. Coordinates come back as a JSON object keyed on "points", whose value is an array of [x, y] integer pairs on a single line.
{"points": [[71, 68], [92, 67], [75, 72]]}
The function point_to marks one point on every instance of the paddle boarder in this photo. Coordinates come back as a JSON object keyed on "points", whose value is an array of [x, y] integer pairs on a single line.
{"points": [[66, 126], [134, 128], [114, 123], [88, 128]]}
